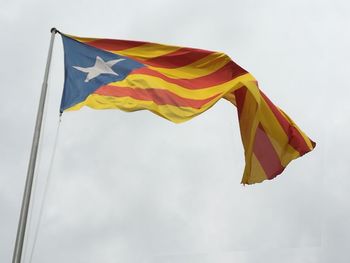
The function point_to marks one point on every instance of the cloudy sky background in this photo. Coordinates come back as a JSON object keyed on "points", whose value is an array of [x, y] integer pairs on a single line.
{"points": [[133, 187]]}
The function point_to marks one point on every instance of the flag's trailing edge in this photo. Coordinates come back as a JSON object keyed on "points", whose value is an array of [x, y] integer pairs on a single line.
{"points": [[179, 83]]}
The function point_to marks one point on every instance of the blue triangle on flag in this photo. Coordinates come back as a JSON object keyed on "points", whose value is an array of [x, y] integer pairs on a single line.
{"points": [[87, 68]]}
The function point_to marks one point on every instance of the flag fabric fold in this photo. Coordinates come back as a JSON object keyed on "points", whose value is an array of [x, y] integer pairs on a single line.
{"points": [[178, 83]]}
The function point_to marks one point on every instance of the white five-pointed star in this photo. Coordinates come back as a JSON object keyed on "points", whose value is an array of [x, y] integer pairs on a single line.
{"points": [[100, 67]]}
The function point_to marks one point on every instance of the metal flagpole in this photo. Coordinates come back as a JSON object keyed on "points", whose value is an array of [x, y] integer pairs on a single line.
{"points": [[17, 253]]}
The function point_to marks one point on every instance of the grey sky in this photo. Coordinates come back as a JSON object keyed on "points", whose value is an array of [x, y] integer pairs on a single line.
{"points": [[133, 187]]}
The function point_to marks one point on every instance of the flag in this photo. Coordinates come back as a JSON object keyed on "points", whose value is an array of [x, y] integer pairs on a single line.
{"points": [[178, 83]]}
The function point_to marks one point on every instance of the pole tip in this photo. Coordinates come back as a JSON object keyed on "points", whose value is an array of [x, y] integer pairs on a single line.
{"points": [[54, 30]]}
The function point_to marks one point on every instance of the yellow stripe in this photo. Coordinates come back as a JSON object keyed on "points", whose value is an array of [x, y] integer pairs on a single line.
{"points": [[147, 51], [231, 98], [145, 82], [247, 115], [81, 39], [248, 125], [143, 52], [276, 134], [172, 113], [257, 174], [200, 68], [248, 129]]}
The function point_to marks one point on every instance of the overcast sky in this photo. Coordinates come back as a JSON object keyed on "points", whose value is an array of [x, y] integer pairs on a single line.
{"points": [[135, 188]]}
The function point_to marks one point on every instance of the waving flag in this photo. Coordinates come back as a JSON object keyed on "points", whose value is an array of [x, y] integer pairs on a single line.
{"points": [[179, 83]]}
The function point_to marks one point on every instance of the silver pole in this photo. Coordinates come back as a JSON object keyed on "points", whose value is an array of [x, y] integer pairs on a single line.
{"points": [[17, 253]]}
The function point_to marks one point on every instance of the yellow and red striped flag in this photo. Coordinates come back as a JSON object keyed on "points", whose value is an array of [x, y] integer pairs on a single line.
{"points": [[179, 83]]}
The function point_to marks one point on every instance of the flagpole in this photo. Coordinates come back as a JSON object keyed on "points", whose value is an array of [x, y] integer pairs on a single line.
{"points": [[17, 253]]}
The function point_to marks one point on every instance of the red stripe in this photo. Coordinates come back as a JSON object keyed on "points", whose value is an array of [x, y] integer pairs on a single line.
{"points": [[240, 97], [158, 96], [113, 44], [222, 75], [178, 58], [266, 154], [295, 139]]}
